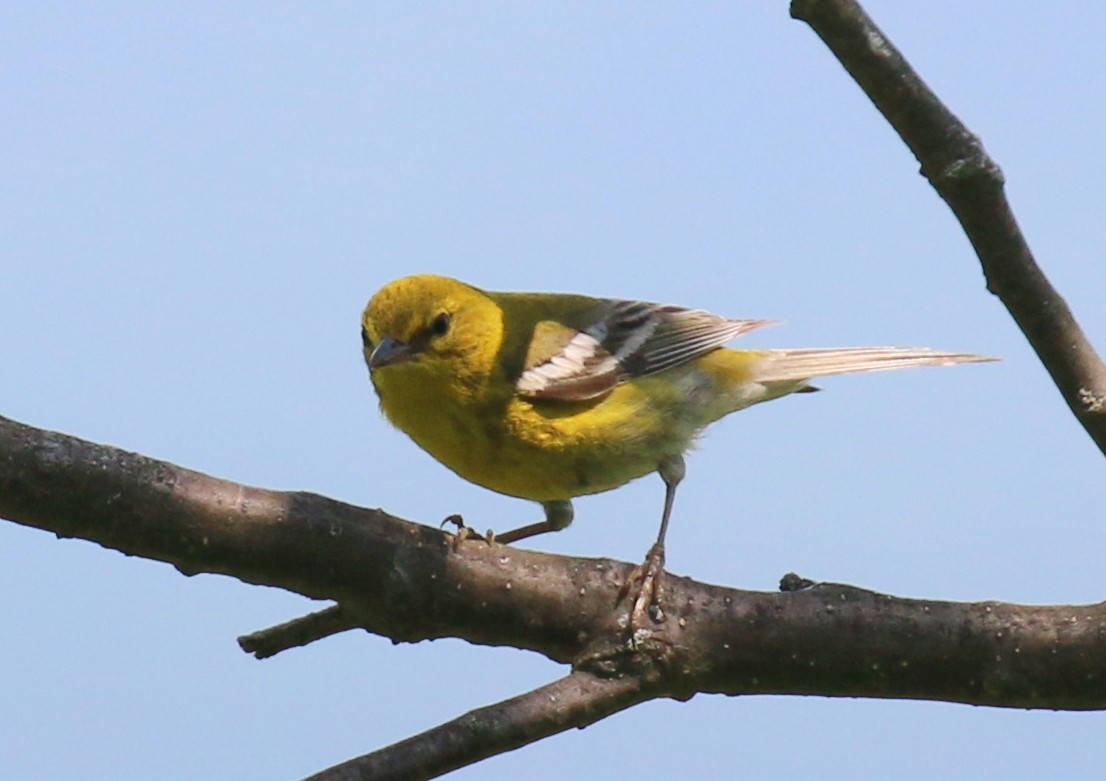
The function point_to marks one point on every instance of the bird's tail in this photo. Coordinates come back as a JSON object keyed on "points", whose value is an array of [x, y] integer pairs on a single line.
{"points": [[786, 366]]}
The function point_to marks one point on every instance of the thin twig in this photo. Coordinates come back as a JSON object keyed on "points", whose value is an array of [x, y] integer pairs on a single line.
{"points": [[298, 632]]}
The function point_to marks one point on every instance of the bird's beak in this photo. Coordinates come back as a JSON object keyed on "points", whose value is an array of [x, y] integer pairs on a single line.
{"points": [[389, 351]]}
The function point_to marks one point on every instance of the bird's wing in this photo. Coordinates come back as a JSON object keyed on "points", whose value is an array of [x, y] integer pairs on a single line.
{"points": [[628, 339]]}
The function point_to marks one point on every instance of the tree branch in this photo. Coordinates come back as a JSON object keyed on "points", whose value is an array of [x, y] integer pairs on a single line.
{"points": [[971, 183], [298, 632], [409, 582], [576, 700]]}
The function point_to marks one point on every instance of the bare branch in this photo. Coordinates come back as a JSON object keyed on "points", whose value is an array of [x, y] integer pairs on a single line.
{"points": [[971, 183], [298, 632], [576, 700], [407, 582]]}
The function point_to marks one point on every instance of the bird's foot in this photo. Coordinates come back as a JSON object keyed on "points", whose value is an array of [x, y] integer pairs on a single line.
{"points": [[649, 578], [464, 532]]}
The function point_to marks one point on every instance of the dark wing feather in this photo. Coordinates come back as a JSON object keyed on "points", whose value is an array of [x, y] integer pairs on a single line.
{"points": [[629, 339]]}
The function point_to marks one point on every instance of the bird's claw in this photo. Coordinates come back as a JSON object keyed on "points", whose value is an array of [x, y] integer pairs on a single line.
{"points": [[649, 578], [464, 532], [455, 520]]}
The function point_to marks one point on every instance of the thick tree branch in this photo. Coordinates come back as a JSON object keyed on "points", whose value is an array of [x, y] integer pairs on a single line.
{"points": [[971, 183], [408, 582]]}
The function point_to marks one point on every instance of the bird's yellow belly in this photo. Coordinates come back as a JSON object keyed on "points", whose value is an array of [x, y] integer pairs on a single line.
{"points": [[549, 451]]}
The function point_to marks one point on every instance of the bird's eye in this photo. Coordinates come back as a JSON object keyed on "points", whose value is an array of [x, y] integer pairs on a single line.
{"points": [[440, 325]]}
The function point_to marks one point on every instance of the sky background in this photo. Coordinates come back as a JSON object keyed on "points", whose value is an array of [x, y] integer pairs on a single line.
{"points": [[196, 203]]}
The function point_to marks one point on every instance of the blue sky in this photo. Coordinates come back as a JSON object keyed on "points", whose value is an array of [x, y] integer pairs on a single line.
{"points": [[197, 202]]}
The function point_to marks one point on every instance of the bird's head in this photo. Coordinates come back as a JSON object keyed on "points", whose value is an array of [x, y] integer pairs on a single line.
{"points": [[427, 327]]}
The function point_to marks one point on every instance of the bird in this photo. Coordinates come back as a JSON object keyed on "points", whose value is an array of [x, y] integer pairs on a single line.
{"points": [[552, 396]]}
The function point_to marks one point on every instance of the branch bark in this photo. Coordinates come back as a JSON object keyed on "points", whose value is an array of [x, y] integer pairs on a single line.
{"points": [[972, 184], [410, 582]]}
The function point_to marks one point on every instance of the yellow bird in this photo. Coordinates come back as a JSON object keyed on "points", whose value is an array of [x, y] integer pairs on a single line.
{"points": [[549, 396]]}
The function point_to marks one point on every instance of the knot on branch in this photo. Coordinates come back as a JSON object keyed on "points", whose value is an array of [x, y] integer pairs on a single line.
{"points": [[647, 654], [970, 167]]}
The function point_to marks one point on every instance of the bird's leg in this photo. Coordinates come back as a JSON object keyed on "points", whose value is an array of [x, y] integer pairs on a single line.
{"points": [[651, 573], [558, 515]]}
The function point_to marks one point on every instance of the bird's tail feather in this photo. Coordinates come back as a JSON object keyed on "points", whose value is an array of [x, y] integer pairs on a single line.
{"points": [[805, 364]]}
